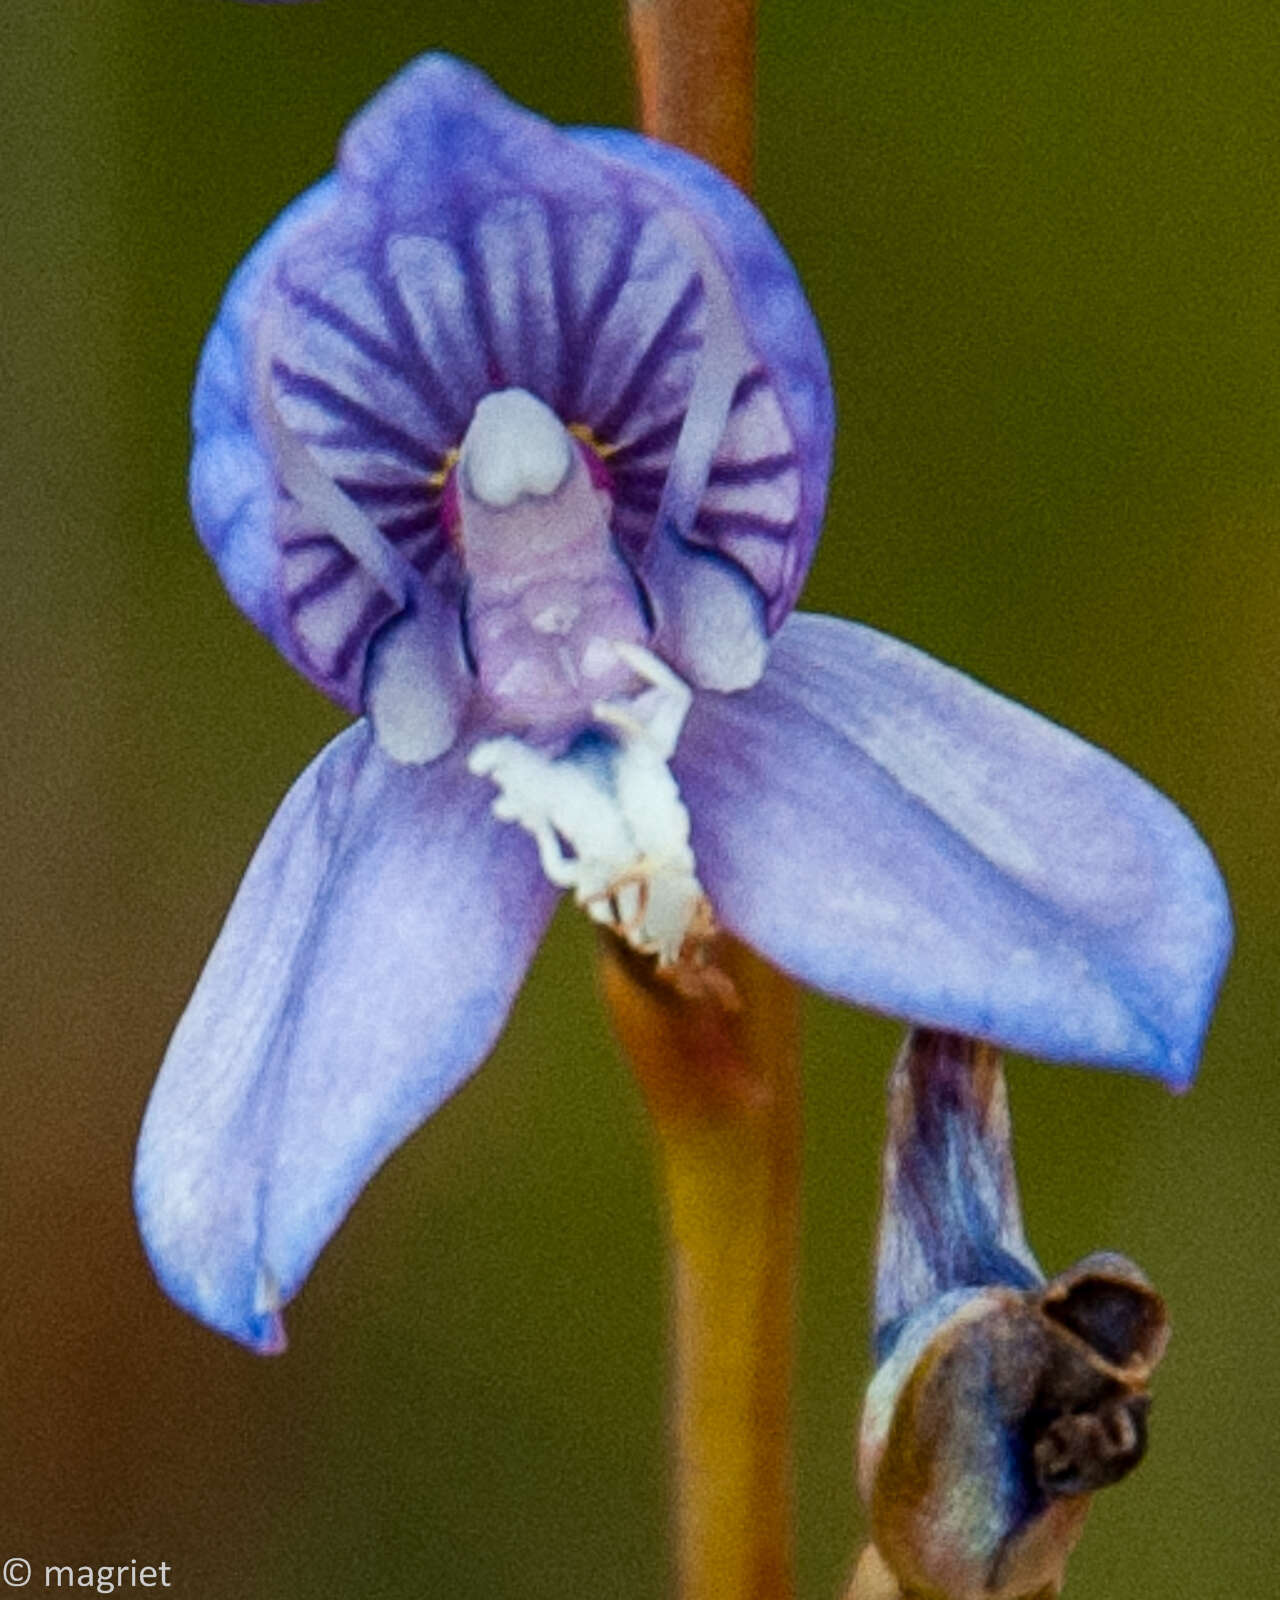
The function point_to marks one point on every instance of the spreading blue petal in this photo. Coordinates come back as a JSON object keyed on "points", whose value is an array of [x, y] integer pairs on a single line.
{"points": [[465, 245], [365, 968], [886, 829]]}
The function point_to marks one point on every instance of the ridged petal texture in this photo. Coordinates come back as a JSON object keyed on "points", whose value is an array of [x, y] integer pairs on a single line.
{"points": [[465, 245], [365, 968], [890, 831]]}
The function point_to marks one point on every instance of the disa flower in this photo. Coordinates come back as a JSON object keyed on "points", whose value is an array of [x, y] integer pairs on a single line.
{"points": [[514, 440]]}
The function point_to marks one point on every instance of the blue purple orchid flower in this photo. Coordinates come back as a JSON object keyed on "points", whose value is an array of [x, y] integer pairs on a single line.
{"points": [[515, 441]]}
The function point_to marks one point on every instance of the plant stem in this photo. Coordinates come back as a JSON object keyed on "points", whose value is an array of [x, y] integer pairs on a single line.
{"points": [[719, 1071], [695, 66], [718, 1061]]}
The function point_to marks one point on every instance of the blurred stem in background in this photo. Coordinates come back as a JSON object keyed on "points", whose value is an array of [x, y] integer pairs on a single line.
{"points": [[696, 70]]}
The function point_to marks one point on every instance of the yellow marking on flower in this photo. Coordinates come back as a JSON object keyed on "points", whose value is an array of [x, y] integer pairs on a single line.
{"points": [[438, 478], [583, 433]]}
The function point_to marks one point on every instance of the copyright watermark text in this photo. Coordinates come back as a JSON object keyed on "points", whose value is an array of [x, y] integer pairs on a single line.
{"points": [[18, 1573]]}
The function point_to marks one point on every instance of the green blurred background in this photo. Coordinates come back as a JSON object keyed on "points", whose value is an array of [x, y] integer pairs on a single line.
{"points": [[1044, 244]]}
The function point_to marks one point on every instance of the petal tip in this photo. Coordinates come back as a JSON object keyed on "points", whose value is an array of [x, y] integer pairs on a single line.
{"points": [[264, 1335], [1179, 1058], [220, 1307]]}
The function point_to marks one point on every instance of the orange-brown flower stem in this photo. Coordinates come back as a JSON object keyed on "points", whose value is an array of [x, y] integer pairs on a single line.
{"points": [[695, 66], [717, 1055], [717, 1061]]}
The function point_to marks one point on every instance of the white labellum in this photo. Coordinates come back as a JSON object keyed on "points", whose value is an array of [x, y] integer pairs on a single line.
{"points": [[607, 815]]}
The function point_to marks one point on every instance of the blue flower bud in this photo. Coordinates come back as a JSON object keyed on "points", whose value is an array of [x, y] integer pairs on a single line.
{"points": [[1002, 1402]]}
